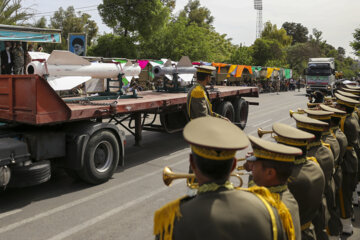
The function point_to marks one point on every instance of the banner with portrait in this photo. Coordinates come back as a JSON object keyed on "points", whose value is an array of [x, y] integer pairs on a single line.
{"points": [[77, 43]]}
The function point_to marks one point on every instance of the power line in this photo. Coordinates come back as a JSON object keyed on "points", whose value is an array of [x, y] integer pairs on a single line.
{"points": [[45, 13]]}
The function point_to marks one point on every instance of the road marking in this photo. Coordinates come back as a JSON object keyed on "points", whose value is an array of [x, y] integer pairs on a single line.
{"points": [[10, 213], [261, 123], [82, 200], [108, 214]]}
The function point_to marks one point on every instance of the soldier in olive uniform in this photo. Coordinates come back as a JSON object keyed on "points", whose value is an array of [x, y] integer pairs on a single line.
{"points": [[328, 137], [349, 166], [272, 171], [325, 158], [19, 59], [335, 226], [354, 94], [198, 101], [306, 181], [218, 211]]}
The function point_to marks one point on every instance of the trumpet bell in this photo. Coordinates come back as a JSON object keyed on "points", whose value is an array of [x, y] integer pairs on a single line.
{"points": [[261, 132], [169, 176]]}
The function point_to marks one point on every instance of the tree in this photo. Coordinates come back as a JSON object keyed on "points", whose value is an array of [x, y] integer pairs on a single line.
{"points": [[297, 31], [271, 32], [40, 23], [298, 55], [140, 17], [197, 14], [356, 43], [179, 39], [70, 22], [265, 50], [11, 12], [242, 55], [110, 45]]}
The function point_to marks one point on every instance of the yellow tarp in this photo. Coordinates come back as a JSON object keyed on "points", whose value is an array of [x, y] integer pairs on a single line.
{"points": [[270, 71]]}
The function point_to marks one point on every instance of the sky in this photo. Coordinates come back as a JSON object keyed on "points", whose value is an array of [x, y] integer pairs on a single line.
{"points": [[237, 18]]}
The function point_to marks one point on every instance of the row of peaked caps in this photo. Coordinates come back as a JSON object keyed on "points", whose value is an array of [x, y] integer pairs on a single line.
{"points": [[348, 95]]}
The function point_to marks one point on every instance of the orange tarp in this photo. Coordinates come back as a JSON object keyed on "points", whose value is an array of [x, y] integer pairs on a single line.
{"points": [[220, 65], [239, 70]]}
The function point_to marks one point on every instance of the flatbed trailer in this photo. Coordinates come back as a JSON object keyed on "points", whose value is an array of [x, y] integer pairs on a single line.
{"points": [[82, 136]]}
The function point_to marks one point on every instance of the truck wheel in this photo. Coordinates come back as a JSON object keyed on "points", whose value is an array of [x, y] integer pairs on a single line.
{"points": [[101, 158], [241, 109], [226, 109], [34, 174]]}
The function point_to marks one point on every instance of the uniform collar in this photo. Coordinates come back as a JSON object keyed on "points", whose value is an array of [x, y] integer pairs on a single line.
{"points": [[212, 187], [278, 188]]}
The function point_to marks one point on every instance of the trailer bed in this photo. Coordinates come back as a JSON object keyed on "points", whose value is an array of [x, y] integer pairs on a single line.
{"points": [[30, 99]]}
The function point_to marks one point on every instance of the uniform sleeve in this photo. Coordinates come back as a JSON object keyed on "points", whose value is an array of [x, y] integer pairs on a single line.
{"points": [[198, 108], [351, 132]]}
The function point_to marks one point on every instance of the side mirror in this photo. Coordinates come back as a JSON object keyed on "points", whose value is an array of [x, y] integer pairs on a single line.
{"points": [[333, 71]]}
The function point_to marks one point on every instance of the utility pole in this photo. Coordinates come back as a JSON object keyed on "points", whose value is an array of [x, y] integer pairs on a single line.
{"points": [[258, 6]]}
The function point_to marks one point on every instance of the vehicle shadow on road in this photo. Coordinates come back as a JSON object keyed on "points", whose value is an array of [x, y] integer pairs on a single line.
{"points": [[152, 147]]}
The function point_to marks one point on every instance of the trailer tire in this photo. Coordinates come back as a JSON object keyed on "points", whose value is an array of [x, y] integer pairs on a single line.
{"points": [[241, 109], [226, 109], [101, 158], [34, 174]]}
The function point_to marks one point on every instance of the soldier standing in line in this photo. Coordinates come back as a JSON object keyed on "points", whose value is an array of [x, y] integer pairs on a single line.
{"points": [[325, 158], [307, 180], [271, 170], [218, 211], [198, 101], [350, 127], [354, 94], [335, 226], [18, 54]]}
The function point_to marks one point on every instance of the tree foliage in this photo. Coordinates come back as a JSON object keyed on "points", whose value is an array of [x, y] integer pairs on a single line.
{"points": [[356, 43], [110, 45], [11, 12], [70, 22], [242, 55], [135, 17], [197, 14], [297, 31], [265, 50], [271, 32], [180, 39]]}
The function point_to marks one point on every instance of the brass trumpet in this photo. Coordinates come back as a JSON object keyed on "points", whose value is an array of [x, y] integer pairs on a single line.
{"points": [[261, 132], [169, 176], [300, 111]]}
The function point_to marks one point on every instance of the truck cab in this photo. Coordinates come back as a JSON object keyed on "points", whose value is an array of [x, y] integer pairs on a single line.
{"points": [[320, 75]]}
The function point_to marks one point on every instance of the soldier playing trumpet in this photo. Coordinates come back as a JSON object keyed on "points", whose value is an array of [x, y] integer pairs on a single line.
{"points": [[218, 211]]}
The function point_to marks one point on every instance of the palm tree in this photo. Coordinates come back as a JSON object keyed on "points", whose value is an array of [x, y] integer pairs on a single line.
{"points": [[11, 12]]}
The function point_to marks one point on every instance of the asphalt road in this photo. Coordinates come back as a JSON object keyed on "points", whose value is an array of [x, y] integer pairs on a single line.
{"points": [[123, 207]]}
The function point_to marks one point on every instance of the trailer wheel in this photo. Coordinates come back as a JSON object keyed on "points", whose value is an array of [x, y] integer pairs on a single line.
{"points": [[241, 108], [34, 174], [226, 109], [101, 158]]}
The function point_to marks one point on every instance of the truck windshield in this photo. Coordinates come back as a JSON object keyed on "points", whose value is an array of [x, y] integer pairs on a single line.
{"points": [[319, 69]]}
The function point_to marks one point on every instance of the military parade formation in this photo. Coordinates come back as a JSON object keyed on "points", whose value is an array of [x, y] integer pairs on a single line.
{"points": [[303, 185]]}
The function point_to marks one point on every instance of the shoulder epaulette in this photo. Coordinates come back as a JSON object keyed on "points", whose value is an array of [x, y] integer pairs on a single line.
{"points": [[274, 200], [198, 92], [326, 145], [164, 218], [312, 159]]}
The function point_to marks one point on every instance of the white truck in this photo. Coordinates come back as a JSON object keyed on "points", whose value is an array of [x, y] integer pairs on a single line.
{"points": [[320, 75]]}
